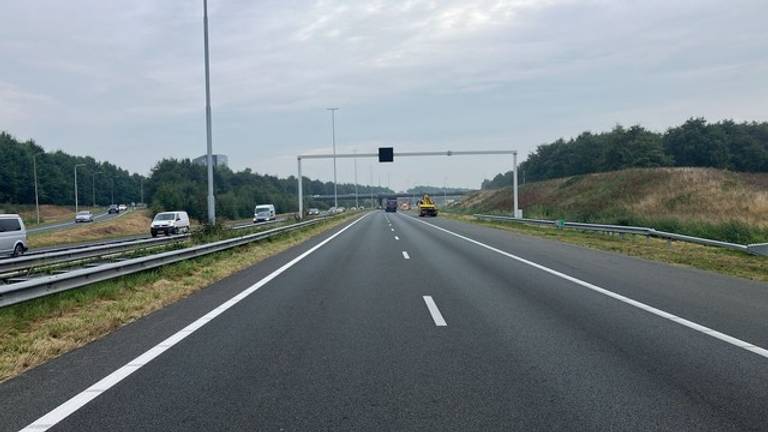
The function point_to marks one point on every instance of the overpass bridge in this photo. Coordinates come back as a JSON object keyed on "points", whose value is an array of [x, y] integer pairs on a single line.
{"points": [[379, 197]]}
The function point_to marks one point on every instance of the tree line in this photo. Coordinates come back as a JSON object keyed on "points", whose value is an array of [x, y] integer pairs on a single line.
{"points": [[172, 185], [695, 143]]}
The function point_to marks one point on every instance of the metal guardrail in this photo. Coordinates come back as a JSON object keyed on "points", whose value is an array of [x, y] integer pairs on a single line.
{"points": [[755, 249], [65, 255], [43, 286]]}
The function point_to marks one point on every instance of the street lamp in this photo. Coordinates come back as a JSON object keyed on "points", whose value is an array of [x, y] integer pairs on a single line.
{"points": [[37, 200], [208, 136], [76, 205], [333, 138]]}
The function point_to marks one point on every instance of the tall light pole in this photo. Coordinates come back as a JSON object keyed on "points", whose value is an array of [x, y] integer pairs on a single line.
{"points": [[37, 200], [357, 204], [76, 204], [113, 189], [208, 133], [333, 138], [93, 186], [517, 212], [141, 190], [370, 187], [445, 199]]}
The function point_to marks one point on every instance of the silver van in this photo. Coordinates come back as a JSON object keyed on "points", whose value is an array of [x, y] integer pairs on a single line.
{"points": [[13, 235]]}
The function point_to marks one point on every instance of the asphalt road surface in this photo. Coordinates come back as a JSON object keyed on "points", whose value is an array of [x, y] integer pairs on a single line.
{"points": [[400, 323]]}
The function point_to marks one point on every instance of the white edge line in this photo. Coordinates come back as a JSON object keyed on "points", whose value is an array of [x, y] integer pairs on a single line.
{"points": [[437, 317], [397, 238], [64, 410], [658, 312], [405, 255]]}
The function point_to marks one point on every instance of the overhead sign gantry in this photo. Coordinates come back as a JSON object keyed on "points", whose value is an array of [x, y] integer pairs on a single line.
{"points": [[387, 154]]}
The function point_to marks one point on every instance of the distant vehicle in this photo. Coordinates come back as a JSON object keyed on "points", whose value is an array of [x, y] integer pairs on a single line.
{"points": [[264, 212], [84, 216], [340, 210], [313, 212], [113, 209], [391, 206], [122, 207], [13, 235], [427, 207], [168, 223]]}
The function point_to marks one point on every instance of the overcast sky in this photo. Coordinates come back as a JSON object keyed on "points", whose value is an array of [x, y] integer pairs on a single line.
{"points": [[123, 80]]}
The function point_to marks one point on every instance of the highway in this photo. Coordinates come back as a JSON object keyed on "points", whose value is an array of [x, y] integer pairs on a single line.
{"points": [[392, 322]]}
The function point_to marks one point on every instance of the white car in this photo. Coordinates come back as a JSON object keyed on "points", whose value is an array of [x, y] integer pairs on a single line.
{"points": [[84, 216], [13, 235], [122, 207], [175, 222], [264, 212]]}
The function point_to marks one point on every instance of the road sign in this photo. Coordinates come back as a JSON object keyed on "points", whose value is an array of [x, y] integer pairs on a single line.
{"points": [[386, 154]]}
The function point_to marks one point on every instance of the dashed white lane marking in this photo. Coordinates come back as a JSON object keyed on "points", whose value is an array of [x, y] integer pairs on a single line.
{"points": [[78, 401], [437, 317], [405, 255], [392, 229], [397, 238], [650, 309]]}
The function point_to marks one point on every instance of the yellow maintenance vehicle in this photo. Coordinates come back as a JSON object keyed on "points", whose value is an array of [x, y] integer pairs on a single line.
{"points": [[427, 207]]}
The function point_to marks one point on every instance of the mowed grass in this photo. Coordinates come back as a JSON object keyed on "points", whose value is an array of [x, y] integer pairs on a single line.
{"points": [[133, 223], [49, 214], [725, 261], [34, 332]]}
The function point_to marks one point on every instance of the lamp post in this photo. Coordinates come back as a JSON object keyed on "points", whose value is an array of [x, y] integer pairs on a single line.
{"points": [[333, 139], [76, 204], [37, 200], [208, 134]]}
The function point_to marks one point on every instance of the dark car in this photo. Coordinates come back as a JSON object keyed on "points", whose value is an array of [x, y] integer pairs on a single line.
{"points": [[113, 209], [391, 206]]}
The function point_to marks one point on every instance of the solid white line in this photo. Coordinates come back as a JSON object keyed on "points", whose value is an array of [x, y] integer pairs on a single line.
{"points": [[650, 309], [405, 255], [78, 401], [392, 229], [397, 238], [437, 317]]}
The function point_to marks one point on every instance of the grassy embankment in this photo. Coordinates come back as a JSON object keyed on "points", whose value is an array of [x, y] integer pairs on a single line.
{"points": [[49, 214], [39, 330], [702, 202]]}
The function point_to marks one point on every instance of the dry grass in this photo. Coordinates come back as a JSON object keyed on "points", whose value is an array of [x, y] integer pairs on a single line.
{"points": [[37, 331], [133, 223], [723, 261], [690, 194]]}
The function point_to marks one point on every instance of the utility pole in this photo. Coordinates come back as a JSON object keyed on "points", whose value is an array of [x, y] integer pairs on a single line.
{"points": [[113, 190], [333, 139], [37, 200], [445, 199], [208, 133], [370, 187], [76, 204], [141, 190], [514, 182], [357, 204]]}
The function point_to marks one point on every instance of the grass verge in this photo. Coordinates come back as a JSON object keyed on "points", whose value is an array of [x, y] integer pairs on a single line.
{"points": [[134, 223], [34, 332], [732, 263]]}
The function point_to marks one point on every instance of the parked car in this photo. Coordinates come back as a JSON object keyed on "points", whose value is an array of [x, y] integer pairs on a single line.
{"points": [[84, 216], [122, 207], [13, 235], [113, 209], [263, 212], [313, 212], [175, 222]]}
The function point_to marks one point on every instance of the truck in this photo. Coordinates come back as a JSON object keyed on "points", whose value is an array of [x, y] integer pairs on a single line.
{"points": [[391, 205], [427, 207]]}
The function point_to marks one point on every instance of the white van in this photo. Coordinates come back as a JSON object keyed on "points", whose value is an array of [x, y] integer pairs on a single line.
{"points": [[13, 235], [175, 222], [263, 212]]}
